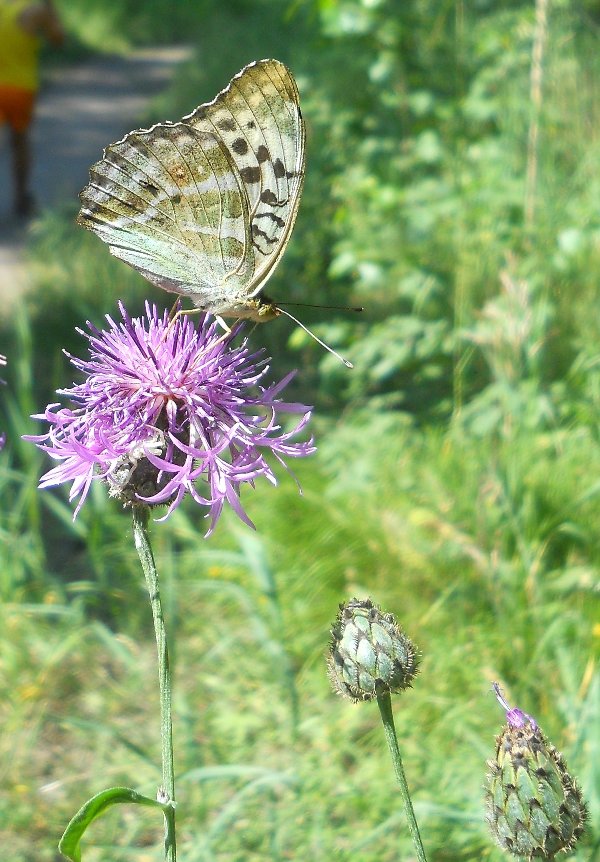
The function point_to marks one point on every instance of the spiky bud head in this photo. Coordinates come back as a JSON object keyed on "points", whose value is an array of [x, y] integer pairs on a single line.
{"points": [[369, 653], [535, 808]]}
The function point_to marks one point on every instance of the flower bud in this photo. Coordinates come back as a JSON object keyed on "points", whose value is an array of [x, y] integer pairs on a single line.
{"points": [[369, 653], [535, 808]]}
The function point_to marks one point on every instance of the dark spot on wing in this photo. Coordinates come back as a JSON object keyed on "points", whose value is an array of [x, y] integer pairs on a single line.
{"points": [[175, 199], [251, 124], [146, 184], [279, 168], [240, 146], [267, 197], [257, 232], [262, 154], [226, 125], [250, 175], [277, 219]]}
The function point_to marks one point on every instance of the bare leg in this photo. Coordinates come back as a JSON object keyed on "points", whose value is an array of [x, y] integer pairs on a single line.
{"points": [[21, 165]]}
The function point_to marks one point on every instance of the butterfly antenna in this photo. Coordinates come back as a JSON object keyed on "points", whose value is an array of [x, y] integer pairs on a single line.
{"points": [[332, 307], [316, 338]]}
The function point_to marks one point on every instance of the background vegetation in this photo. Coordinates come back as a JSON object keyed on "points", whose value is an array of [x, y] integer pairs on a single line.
{"points": [[457, 480]]}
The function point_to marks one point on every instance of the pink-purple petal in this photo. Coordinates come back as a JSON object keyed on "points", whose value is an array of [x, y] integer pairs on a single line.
{"points": [[183, 399]]}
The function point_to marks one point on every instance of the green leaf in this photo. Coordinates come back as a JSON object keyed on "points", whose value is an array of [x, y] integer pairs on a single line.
{"points": [[69, 844]]}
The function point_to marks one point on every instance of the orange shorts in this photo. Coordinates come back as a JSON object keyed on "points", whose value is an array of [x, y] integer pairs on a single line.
{"points": [[16, 106]]}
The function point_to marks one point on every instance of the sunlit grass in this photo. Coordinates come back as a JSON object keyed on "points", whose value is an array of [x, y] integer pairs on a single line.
{"points": [[267, 757]]}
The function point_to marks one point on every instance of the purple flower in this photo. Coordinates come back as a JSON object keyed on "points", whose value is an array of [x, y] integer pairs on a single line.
{"points": [[515, 717], [167, 408]]}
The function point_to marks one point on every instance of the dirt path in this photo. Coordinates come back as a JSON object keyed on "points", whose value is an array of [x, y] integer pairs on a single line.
{"points": [[81, 109]]}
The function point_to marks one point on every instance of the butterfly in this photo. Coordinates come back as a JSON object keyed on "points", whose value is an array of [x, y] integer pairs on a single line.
{"points": [[204, 207]]}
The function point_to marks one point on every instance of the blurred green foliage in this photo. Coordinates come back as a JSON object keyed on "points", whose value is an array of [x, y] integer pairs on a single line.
{"points": [[456, 476], [117, 25]]}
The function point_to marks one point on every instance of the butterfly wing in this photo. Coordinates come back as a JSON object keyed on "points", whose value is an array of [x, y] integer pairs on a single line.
{"points": [[205, 207], [258, 118], [169, 201]]}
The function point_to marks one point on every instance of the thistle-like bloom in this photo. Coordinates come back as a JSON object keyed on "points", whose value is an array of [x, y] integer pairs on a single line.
{"points": [[169, 408], [535, 808], [369, 654]]}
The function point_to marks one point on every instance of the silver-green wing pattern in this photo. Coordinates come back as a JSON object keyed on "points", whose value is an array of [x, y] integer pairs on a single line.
{"points": [[258, 117], [205, 207]]}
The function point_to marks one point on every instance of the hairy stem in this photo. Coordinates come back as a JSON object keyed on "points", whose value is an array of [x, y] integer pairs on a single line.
{"points": [[166, 793], [385, 708]]}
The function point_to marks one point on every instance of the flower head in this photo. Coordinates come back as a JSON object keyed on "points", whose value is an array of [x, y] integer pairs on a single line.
{"points": [[535, 808], [169, 408], [369, 653]]}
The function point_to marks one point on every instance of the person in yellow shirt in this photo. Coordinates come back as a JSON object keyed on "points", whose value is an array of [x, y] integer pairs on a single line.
{"points": [[23, 24]]}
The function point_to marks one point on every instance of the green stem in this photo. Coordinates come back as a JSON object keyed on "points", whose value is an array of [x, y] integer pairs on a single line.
{"points": [[166, 793], [385, 708]]}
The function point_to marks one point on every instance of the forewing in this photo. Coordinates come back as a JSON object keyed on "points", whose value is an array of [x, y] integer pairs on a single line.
{"points": [[258, 118], [170, 202]]}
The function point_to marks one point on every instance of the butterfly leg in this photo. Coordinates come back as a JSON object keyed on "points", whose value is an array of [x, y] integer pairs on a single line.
{"points": [[176, 313], [228, 328]]}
